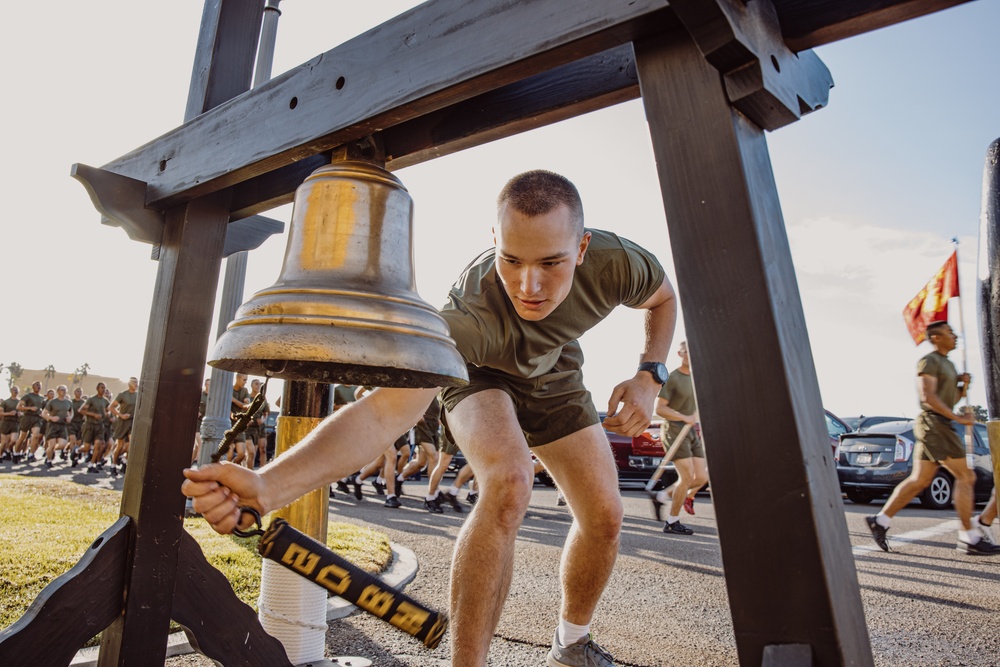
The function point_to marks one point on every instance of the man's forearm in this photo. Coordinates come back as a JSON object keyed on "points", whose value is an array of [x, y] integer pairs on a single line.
{"points": [[343, 443], [660, 322]]}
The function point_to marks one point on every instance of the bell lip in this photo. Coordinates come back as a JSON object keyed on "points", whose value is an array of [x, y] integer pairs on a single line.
{"points": [[335, 372], [337, 354]]}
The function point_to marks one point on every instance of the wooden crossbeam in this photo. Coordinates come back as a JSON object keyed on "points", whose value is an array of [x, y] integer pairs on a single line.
{"points": [[396, 72], [807, 24]]}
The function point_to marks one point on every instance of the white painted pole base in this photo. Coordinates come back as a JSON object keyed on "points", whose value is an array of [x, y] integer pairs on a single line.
{"points": [[292, 609]]}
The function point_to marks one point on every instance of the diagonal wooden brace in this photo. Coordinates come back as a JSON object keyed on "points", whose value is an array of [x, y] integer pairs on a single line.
{"points": [[764, 80], [74, 607]]}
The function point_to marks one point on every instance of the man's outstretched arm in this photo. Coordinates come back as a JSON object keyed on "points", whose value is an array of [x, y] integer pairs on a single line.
{"points": [[638, 394], [342, 444]]}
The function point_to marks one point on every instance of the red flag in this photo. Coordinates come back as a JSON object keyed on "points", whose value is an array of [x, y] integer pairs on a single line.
{"points": [[931, 303]]}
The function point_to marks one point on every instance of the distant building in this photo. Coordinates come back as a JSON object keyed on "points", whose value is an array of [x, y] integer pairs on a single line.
{"points": [[71, 380]]}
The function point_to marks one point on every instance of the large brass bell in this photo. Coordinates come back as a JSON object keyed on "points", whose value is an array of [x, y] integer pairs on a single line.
{"points": [[345, 307]]}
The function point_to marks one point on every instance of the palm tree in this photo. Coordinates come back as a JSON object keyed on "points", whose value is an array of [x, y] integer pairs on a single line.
{"points": [[14, 371], [80, 374], [50, 372]]}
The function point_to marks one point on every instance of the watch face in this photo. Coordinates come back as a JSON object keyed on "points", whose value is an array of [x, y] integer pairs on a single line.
{"points": [[658, 370]]}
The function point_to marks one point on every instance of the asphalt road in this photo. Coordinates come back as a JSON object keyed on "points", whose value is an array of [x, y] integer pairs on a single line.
{"points": [[925, 603]]}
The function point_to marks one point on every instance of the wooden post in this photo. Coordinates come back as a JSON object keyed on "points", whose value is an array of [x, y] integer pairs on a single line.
{"points": [[190, 254], [163, 433], [789, 570]]}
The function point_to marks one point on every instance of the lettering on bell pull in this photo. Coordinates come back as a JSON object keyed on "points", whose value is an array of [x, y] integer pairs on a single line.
{"points": [[375, 600], [408, 618], [300, 559], [334, 578]]}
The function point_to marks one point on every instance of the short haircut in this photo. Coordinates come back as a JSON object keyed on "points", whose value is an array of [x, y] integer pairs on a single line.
{"points": [[936, 328], [539, 192]]}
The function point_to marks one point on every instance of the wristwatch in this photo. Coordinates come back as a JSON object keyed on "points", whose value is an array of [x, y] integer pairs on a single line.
{"points": [[656, 369]]}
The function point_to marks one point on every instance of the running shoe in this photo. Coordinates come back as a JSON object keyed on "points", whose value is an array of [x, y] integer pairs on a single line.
{"points": [[357, 487], [980, 548], [878, 532], [342, 487], [432, 506], [984, 530], [379, 487], [584, 653], [451, 499], [676, 528], [393, 501], [472, 498]]}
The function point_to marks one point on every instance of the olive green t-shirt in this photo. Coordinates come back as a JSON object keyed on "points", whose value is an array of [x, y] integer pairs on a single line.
{"points": [[488, 331], [97, 404], [938, 366], [126, 402], [8, 405], [59, 407], [35, 401], [77, 417], [679, 393]]}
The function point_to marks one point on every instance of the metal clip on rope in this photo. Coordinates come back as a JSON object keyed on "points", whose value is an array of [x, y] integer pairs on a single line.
{"points": [[242, 421]]}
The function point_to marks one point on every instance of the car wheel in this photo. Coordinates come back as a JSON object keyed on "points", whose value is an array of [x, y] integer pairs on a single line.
{"points": [[937, 496], [859, 496]]}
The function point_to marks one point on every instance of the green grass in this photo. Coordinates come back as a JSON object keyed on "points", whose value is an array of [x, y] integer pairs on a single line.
{"points": [[49, 524]]}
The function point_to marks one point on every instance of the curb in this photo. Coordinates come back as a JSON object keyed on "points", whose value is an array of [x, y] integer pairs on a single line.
{"points": [[402, 571]]}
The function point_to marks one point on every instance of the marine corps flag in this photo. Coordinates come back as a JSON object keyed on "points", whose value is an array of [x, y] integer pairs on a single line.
{"points": [[931, 303]]}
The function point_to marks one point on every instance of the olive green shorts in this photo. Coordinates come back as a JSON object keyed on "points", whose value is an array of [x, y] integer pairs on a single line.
{"points": [[446, 443], [29, 422], [548, 407], [56, 430], [8, 426], [122, 429], [936, 439], [690, 447], [92, 432], [423, 433]]}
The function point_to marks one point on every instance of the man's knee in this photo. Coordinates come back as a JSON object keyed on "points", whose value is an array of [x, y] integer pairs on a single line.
{"points": [[507, 494]]}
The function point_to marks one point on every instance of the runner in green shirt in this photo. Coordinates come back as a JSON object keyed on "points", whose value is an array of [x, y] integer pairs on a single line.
{"points": [[76, 425], [123, 409], [676, 404], [515, 315], [30, 407], [94, 410], [8, 424], [58, 413], [939, 388]]}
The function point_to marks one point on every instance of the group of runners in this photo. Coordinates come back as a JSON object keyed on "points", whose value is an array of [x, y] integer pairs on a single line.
{"points": [[95, 429]]}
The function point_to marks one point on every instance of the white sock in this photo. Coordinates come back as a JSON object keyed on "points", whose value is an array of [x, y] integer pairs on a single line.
{"points": [[390, 495], [567, 633], [453, 490], [673, 518], [380, 479], [662, 496], [400, 478], [969, 536], [431, 497], [883, 520], [979, 519]]}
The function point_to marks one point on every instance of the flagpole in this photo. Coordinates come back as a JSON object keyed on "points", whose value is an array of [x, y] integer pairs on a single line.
{"points": [[964, 357]]}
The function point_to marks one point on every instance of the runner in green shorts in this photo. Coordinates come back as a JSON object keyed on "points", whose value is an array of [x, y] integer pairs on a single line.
{"points": [[515, 314], [940, 387]]}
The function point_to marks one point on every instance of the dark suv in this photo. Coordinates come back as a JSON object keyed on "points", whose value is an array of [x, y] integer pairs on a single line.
{"points": [[871, 463]]}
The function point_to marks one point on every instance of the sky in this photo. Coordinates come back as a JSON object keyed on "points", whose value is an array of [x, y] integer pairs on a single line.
{"points": [[873, 187]]}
